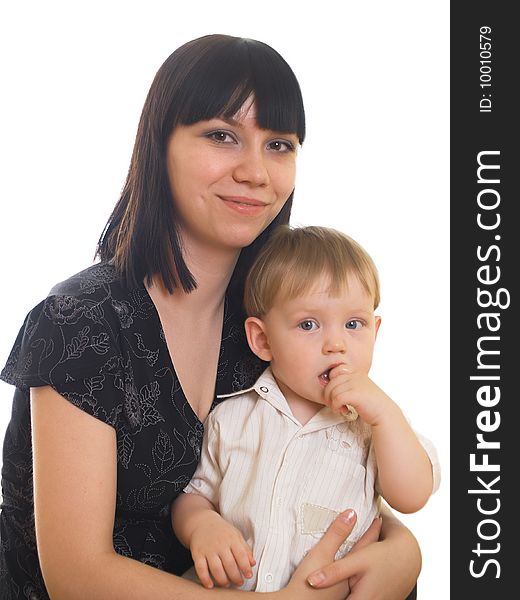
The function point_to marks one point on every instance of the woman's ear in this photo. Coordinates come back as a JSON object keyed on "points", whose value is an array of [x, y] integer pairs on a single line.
{"points": [[257, 338]]}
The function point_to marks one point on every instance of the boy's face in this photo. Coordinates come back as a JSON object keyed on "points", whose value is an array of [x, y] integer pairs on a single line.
{"points": [[307, 336]]}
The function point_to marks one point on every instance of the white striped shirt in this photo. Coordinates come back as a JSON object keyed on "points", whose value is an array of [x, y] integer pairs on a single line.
{"points": [[282, 484]]}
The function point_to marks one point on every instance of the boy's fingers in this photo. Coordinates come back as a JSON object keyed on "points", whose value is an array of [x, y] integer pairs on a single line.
{"points": [[342, 369], [349, 412], [242, 559], [231, 568], [217, 571], [201, 568]]}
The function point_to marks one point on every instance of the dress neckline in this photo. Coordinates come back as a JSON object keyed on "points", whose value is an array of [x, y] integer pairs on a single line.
{"points": [[162, 335]]}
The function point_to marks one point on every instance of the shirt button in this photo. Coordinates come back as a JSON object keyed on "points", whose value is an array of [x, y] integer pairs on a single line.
{"points": [[269, 577], [264, 389]]}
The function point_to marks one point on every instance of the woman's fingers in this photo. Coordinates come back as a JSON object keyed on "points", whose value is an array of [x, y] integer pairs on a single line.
{"points": [[370, 535], [335, 535], [348, 566]]}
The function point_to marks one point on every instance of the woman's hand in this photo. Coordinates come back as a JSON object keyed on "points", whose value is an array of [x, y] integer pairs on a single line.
{"points": [[377, 570], [321, 555]]}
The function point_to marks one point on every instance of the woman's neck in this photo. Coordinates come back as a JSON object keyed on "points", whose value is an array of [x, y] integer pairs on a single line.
{"points": [[212, 272]]}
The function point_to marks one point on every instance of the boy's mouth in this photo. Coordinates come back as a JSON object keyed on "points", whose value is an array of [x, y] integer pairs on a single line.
{"points": [[324, 377]]}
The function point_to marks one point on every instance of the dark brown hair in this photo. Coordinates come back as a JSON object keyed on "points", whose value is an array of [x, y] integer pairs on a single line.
{"points": [[208, 77]]}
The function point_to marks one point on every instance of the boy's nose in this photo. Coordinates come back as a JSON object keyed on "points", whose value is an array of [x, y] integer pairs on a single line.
{"points": [[334, 345]]}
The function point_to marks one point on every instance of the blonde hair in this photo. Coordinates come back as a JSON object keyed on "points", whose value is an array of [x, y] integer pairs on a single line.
{"points": [[295, 258]]}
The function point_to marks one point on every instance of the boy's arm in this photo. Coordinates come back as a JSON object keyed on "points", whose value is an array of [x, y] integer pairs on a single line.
{"points": [[218, 549], [405, 471], [190, 511]]}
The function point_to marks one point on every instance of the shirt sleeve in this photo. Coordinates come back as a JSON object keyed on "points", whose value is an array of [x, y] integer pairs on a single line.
{"points": [[434, 459], [70, 344], [208, 475]]}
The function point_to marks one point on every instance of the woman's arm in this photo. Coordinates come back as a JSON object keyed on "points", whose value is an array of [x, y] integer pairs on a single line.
{"points": [[387, 568], [75, 474]]}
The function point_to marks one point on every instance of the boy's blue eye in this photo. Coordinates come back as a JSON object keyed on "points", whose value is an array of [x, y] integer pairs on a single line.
{"points": [[307, 325], [354, 324]]}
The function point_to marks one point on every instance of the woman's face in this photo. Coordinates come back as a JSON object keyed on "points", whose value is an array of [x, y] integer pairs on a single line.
{"points": [[229, 178]]}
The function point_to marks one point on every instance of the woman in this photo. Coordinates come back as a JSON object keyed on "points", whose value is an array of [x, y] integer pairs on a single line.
{"points": [[144, 340]]}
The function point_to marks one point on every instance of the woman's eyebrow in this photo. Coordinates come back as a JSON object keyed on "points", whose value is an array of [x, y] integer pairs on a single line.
{"points": [[236, 123], [230, 121]]}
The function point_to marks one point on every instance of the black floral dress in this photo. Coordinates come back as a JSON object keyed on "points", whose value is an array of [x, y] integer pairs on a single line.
{"points": [[101, 346]]}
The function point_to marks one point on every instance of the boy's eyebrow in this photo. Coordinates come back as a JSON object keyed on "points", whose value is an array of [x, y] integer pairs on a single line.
{"points": [[318, 307]]}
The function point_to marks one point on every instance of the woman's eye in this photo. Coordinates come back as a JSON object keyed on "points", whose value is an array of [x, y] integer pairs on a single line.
{"points": [[307, 325], [280, 146], [354, 324], [222, 137]]}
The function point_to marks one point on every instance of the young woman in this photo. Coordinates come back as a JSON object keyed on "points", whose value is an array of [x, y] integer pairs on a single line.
{"points": [[117, 368]]}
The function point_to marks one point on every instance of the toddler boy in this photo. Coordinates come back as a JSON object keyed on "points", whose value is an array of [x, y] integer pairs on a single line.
{"points": [[315, 435]]}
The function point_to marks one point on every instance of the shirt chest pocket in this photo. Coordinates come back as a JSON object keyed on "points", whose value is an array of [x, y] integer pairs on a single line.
{"points": [[336, 480]]}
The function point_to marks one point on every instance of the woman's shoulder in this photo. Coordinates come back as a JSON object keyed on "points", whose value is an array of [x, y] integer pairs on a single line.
{"points": [[74, 330], [88, 282], [97, 291]]}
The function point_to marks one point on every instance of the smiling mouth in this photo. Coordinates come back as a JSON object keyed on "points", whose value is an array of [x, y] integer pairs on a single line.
{"points": [[243, 201]]}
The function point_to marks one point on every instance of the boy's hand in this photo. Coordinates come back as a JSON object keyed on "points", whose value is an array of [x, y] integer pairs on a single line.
{"points": [[356, 389], [220, 552]]}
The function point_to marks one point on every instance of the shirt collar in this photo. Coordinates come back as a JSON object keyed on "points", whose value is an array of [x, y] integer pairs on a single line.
{"points": [[267, 388]]}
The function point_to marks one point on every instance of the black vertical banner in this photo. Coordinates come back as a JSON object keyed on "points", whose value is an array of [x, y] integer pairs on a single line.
{"points": [[485, 268]]}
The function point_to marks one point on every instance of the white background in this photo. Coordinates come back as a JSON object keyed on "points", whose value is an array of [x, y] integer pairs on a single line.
{"points": [[374, 77]]}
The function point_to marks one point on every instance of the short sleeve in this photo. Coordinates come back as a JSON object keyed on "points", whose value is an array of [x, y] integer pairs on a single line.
{"points": [[69, 343], [434, 460], [207, 477]]}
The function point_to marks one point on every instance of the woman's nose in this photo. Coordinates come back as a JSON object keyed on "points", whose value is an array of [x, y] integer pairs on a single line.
{"points": [[251, 168]]}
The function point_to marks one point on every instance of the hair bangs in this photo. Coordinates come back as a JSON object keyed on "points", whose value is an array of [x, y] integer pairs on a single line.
{"points": [[310, 266], [235, 70]]}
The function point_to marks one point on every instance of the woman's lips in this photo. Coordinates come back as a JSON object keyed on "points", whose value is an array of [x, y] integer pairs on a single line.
{"points": [[244, 205]]}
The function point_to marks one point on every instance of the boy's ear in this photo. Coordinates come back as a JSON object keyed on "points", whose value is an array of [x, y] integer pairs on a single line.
{"points": [[378, 324], [257, 338]]}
